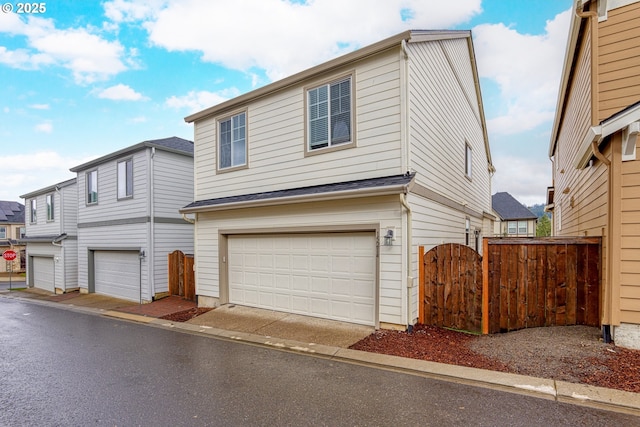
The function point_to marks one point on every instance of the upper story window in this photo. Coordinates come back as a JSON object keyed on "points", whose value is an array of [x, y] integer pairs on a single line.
{"points": [[233, 141], [522, 227], [512, 227], [3, 232], [33, 212], [468, 160], [329, 115], [22, 231], [92, 187], [50, 213], [125, 179]]}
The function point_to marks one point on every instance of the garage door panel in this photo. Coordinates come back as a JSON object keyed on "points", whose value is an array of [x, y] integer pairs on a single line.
{"points": [[117, 274], [43, 273], [330, 276]]}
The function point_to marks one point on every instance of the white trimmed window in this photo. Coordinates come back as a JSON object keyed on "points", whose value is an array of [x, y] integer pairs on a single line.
{"points": [[125, 179], [512, 227], [33, 214], [233, 141], [329, 109], [468, 160], [522, 227], [50, 207], [3, 232], [92, 187]]}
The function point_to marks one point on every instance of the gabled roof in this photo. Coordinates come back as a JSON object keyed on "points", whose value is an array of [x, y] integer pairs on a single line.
{"points": [[171, 144], [50, 188], [360, 188], [11, 212], [508, 208]]}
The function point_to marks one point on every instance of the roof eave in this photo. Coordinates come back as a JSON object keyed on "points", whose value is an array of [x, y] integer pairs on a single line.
{"points": [[49, 189], [329, 196]]}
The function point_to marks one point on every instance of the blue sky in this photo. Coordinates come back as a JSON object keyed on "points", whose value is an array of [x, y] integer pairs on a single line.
{"points": [[86, 78]]}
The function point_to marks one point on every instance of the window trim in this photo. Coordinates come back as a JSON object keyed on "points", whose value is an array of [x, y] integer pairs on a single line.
{"points": [[526, 227], [50, 202], [33, 211], [515, 224], [3, 230], [126, 187], [468, 160], [87, 193], [326, 82], [219, 121]]}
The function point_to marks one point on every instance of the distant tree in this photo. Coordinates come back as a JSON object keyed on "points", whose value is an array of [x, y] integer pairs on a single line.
{"points": [[544, 227]]}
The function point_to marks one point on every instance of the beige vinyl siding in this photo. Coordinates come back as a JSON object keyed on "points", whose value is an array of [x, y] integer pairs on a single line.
{"points": [[444, 117], [630, 242], [172, 182], [321, 216], [108, 206], [619, 60], [275, 126]]}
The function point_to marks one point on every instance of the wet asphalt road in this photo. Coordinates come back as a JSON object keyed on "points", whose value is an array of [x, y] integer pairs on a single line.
{"points": [[64, 368]]}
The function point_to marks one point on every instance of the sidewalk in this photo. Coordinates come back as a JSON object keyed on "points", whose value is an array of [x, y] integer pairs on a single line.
{"points": [[323, 338]]}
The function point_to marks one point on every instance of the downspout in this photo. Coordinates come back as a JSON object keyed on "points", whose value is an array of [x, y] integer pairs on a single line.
{"points": [[404, 115], [61, 245], [152, 227], [607, 299], [409, 278]]}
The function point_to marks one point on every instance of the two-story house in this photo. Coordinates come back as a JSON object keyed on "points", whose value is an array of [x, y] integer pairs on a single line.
{"points": [[593, 147], [313, 192], [128, 219], [11, 230], [51, 237], [514, 219]]}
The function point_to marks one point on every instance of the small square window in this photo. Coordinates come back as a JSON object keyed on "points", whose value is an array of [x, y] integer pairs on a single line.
{"points": [[329, 111]]}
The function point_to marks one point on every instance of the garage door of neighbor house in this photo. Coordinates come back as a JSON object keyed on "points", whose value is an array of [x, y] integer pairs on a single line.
{"points": [[329, 275], [117, 274], [43, 273]]}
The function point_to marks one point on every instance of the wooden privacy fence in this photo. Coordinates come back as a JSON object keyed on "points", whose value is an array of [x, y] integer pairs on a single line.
{"points": [[181, 276], [520, 283]]}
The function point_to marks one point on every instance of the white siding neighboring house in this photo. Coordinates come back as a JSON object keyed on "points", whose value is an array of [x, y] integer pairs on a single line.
{"points": [[514, 219], [313, 193], [128, 219], [51, 237]]}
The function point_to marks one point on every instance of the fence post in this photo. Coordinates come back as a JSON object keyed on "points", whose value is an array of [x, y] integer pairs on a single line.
{"points": [[421, 284], [485, 286]]}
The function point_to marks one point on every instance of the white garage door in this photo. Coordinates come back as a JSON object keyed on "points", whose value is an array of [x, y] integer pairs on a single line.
{"points": [[117, 274], [43, 273], [331, 275]]}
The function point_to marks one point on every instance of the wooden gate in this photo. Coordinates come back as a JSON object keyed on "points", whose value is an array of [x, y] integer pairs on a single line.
{"points": [[451, 289], [520, 283], [541, 282], [181, 276]]}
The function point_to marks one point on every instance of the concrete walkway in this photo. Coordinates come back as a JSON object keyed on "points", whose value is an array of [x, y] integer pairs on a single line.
{"points": [[323, 338]]}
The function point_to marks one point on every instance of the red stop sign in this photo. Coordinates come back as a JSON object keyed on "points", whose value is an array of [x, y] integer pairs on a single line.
{"points": [[9, 255]]}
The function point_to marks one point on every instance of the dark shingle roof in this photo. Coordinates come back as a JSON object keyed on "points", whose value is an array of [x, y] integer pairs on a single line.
{"points": [[11, 212], [509, 208], [174, 144], [395, 181]]}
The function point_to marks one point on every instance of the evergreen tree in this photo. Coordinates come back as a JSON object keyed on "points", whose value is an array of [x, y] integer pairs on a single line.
{"points": [[544, 227]]}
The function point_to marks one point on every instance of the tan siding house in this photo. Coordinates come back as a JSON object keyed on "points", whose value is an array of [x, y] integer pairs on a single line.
{"points": [[313, 193], [596, 189]]}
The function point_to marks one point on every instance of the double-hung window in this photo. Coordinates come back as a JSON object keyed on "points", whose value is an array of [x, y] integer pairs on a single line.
{"points": [[512, 227], [329, 115], [125, 179], [92, 187], [233, 141], [33, 213], [522, 227], [50, 207], [3, 232]]}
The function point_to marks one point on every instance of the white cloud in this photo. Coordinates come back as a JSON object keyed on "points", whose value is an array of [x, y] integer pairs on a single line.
{"points": [[262, 38], [44, 127], [120, 92], [25, 173], [526, 69], [39, 106], [196, 101], [88, 56], [523, 178]]}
